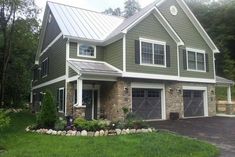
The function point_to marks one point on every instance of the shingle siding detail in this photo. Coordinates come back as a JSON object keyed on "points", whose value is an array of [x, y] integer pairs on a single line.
{"points": [[149, 28]]}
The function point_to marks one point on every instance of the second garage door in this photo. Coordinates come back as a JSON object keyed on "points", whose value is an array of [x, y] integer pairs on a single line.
{"points": [[193, 103], [146, 103]]}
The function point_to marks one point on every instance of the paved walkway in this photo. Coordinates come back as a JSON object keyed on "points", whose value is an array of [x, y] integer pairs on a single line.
{"points": [[216, 130]]}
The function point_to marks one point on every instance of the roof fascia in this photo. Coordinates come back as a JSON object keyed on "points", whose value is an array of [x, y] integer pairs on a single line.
{"points": [[198, 26]]}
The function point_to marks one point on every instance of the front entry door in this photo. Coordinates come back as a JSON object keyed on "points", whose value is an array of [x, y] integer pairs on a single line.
{"points": [[89, 99]]}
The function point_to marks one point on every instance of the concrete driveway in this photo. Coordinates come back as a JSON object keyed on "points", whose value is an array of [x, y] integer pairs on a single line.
{"points": [[216, 130]]}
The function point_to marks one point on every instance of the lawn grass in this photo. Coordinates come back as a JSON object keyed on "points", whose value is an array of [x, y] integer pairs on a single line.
{"points": [[18, 143], [221, 93]]}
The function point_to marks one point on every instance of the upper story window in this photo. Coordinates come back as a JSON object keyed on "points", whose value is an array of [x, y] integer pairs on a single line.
{"points": [[86, 51], [153, 52], [196, 60], [45, 67]]}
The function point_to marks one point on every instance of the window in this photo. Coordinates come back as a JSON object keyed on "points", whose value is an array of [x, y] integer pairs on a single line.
{"points": [[45, 68], [60, 99], [50, 18], [196, 60], [153, 52], [86, 51]]}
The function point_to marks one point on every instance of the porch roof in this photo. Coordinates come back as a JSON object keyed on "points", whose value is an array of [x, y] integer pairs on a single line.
{"points": [[224, 81], [94, 68]]}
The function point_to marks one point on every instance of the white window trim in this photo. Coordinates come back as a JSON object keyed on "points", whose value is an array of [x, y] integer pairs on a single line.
{"points": [[153, 86], [43, 76], [196, 52], [63, 107], [78, 53], [152, 42], [205, 97]]}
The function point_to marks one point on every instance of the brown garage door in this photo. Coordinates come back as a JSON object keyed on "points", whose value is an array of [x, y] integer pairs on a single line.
{"points": [[193, 103], [146, 103]]}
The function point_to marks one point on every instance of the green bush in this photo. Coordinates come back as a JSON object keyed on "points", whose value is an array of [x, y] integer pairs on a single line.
{"points": [[94, 125], [60, 124], [4, 120], [48, 115]]}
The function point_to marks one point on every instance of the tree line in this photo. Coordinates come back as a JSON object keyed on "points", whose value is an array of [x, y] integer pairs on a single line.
{"points": [[20, 29]]}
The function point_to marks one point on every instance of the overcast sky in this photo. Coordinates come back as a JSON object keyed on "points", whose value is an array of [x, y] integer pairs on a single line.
{"points": [[96, 5]]}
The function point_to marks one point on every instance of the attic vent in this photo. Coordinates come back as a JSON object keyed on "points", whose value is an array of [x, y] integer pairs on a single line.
{"points": [[173, 10], [49, 18]]}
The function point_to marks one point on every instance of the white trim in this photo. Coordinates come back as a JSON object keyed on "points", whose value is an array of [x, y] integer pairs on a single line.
{"points": [[163, 43], [66, 75], [79, 92], [167, 77], [198, 26], [178, 60], [51, 43], [63, 105], [205, 98], [124, 52], [85, 56], [58, 79], [229, 95], [43, 76], [196, 51], [73, 78], [154, 86]]}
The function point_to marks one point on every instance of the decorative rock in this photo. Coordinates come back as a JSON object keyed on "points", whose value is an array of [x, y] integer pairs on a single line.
{"points": [[90, 133], [97, 133], [78, 133], [123, 132], [54, 132], [118, 131], [59, 132], [49, 131], [144, 130], [106, 132], [102, 132], [63, 133], [84, 133], [127, 131], [73, 133], [112, 132], [132, 131], [150, 130], [68, 134], [27, 129], [38, 131], [138, 131]]}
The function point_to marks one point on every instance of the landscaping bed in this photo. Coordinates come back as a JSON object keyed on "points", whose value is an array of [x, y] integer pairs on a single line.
{"points": [[17, 142]]}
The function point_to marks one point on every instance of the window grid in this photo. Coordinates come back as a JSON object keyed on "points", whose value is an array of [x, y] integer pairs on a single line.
{"points": [[153, 53], [196, 63]]}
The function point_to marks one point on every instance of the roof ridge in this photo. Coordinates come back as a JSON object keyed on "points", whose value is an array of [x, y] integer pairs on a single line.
{"points": [[121, 17]]}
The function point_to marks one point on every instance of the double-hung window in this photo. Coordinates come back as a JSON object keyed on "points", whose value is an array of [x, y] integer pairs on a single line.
{"points": [[45, 67], [196, 60], [86, 51], [60, 99], [153, 52]]}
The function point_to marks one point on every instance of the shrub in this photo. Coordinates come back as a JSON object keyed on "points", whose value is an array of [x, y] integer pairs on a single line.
{"points": [[4, 120], [47, 116], [60, 124], [93, 125]]}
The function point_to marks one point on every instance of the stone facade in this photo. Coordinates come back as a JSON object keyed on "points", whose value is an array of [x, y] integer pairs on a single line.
{"points": [[114, 96]]}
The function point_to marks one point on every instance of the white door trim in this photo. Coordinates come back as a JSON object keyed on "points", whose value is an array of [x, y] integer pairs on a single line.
{"points": [[205, 98], [153, 86]]}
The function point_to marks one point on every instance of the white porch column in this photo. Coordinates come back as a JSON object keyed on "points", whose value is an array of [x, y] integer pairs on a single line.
{"points": [[79, 92], [229, 97]]}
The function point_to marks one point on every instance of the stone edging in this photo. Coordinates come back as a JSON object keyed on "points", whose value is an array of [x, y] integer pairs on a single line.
{"points": [[89, 133]]}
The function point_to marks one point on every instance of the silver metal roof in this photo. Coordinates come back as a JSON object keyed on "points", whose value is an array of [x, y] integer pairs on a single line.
{"points": [[82, 23], [88, 67], [221, 80]]}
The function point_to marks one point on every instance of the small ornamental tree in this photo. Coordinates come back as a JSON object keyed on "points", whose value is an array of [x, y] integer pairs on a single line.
{"points": [[47, 116], [4, 120]]}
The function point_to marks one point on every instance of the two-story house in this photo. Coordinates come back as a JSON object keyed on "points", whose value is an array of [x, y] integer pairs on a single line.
{"points": [[156, 62]]}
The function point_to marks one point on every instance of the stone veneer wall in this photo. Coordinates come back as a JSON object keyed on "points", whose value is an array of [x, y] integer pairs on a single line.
{"points": [[114, 97]]}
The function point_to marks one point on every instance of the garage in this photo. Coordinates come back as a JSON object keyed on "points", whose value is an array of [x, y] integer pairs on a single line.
{"points": [[147, 103], [194, 103]]}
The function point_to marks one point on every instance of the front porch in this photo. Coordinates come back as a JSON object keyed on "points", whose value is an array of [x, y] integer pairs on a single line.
{"points": [[225, 107]]}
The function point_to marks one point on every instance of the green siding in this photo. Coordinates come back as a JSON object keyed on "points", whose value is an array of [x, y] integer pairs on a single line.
{"points": [[73, 52], [189, 34], [72, 72], [52, 30], [150, 28], [52, 88], [56, 55], [113, 54]]}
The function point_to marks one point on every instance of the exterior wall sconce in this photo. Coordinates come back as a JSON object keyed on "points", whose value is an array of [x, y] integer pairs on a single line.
{"points": [[179, 90], [170, 90], [212, 91], [126, 89]]}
